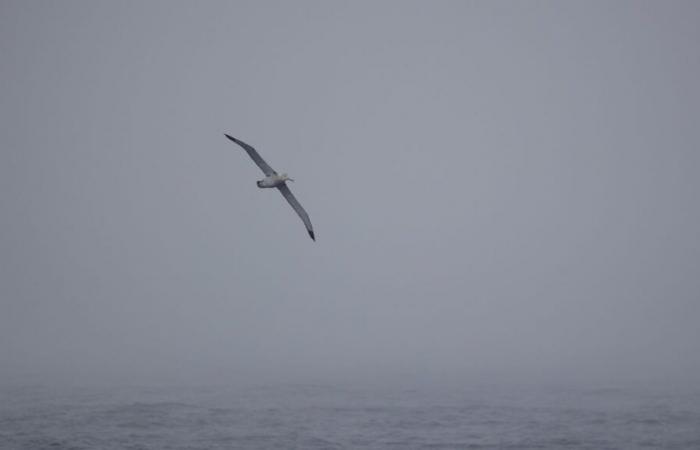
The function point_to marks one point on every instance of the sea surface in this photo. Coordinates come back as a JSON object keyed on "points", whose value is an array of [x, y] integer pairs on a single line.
{"points": [[332, 417]]}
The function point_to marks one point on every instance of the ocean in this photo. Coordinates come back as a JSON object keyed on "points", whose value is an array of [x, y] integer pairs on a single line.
{"points": [[334, 417]]}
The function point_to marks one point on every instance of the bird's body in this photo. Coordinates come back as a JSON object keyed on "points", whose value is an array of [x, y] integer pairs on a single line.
{"points": [[274, 180]]}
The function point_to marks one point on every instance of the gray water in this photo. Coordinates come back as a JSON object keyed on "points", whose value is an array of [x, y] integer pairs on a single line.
{"points": [[331, 417]]}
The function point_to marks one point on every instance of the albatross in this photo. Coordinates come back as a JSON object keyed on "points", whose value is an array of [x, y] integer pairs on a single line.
{"points": [[274, 180]]}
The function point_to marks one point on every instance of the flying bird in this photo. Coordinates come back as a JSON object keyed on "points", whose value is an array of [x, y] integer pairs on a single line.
{"points": [[273, 179]]}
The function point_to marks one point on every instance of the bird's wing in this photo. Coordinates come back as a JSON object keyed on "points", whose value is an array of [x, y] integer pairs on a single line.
{"points": [[267, 170], [284, 189]]}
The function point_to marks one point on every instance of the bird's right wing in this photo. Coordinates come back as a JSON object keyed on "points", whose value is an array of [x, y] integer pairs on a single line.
{"points": [[284, 189], [267, 170]]}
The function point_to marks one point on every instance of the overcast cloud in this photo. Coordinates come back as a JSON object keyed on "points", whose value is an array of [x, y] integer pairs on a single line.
{"points": [[498, 189]]}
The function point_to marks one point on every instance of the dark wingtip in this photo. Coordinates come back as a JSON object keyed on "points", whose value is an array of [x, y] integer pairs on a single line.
{"points": [[233, 139], [311, 233]]}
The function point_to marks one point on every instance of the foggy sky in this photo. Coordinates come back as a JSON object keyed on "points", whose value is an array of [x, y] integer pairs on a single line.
{"points": [[498, 189]]}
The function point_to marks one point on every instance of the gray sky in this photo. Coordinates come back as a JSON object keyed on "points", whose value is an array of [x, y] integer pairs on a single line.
{"points": [[499, 189]]}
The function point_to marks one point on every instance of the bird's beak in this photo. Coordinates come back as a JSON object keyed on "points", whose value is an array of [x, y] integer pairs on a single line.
{"points": [[289, 179]]}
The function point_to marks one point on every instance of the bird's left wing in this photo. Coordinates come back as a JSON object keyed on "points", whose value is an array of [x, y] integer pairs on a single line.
{"points": [[284, 189], [254, 155]]}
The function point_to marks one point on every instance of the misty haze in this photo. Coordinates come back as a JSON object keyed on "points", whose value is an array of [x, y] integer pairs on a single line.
{"points": [[504, 197]]}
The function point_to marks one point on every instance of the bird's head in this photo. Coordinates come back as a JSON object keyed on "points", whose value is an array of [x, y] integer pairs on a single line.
{"points": [[285, 177]]}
